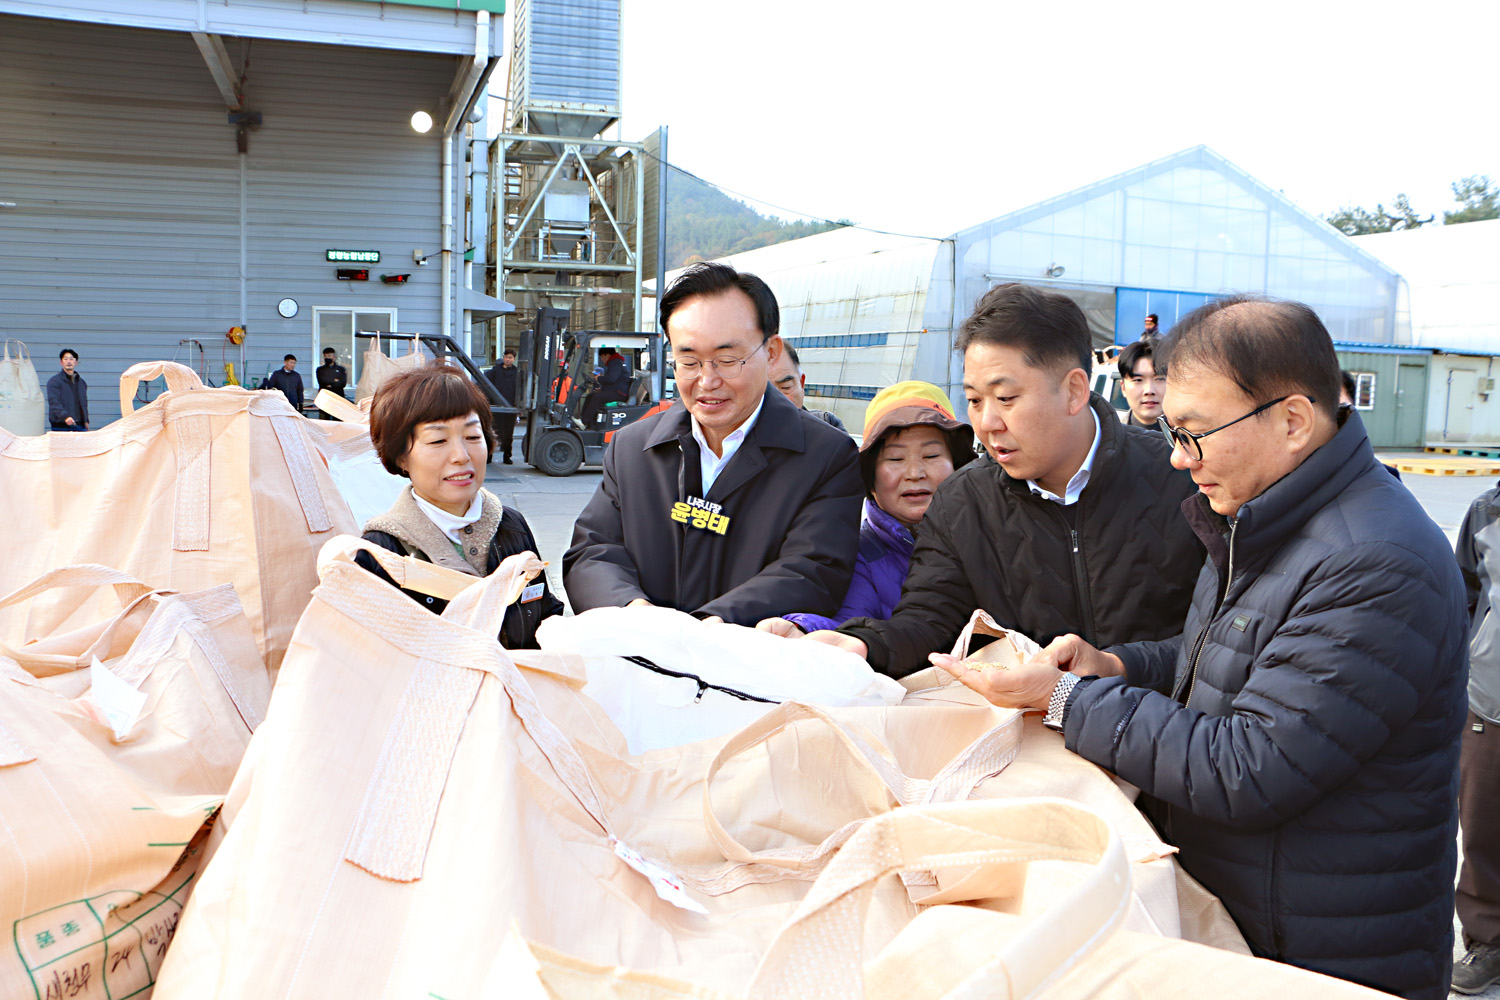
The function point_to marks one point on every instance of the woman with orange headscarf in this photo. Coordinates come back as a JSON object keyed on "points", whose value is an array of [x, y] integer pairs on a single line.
{"points": [[912, 442]]}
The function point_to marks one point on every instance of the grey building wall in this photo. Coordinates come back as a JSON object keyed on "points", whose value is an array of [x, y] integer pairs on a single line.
{"points": [[125, 238]]}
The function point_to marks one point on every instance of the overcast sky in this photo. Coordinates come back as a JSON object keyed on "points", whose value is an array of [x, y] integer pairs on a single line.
{"points": [[929, 117]]}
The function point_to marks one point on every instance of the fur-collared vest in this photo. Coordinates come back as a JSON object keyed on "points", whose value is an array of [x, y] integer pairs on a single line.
{"points": [[499, 532]]}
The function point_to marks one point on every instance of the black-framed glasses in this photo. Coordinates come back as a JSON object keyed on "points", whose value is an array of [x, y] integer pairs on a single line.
{"points": [[726, 368], [1190, 443]]}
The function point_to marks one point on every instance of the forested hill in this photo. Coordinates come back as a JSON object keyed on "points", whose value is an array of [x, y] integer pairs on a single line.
{"points": [[704, 223]]}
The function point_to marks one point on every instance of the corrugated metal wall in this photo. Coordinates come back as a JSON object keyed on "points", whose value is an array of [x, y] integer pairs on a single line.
{"points": [[575, 52], [1395, 419], [125, 238]]}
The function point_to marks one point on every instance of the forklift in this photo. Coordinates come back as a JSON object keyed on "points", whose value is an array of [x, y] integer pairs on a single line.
{"points": [[557, 380]]}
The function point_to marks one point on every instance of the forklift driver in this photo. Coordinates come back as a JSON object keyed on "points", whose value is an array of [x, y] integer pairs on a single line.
{"points": [[613, 385]]}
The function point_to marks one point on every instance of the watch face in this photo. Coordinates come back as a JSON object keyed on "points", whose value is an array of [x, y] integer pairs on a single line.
{"points": [[287, 307]]}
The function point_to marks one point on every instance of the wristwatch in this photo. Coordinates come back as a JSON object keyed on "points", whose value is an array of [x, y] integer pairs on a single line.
{"points": [[1059, 701]]}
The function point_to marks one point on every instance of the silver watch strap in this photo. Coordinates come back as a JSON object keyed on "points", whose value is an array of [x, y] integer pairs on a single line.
{"points": [[1059, 701]]}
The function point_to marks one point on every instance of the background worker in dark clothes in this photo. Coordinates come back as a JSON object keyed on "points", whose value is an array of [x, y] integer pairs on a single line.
{"points": [[332, 376], [68, 395], [502, 375], [733, 504], [613, 387], [288, 381], [786, 376], [1479, 761], [1298, 741], [1071, 522]]}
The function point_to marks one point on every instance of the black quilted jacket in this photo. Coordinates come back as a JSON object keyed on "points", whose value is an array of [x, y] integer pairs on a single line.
{"points": [[1305, 761], [1117, 566]]}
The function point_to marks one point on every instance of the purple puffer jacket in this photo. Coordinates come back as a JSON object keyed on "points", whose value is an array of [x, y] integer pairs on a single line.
{"points": [[885, 546]]}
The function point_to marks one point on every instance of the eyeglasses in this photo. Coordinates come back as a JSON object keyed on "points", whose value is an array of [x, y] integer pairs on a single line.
{"points": [[1191, 444], [726, 368]]}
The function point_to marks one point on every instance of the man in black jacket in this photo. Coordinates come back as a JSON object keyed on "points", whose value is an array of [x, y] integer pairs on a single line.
{"points": [[68, 395], [331, 376], [732, 504], [612, 386], [1298, 742], [502, 375], [288, 381], [1072, 524]]}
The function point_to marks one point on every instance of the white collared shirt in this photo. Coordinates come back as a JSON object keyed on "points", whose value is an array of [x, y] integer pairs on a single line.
{"points": [[452, 525], [1080, 478], [710, 464]]}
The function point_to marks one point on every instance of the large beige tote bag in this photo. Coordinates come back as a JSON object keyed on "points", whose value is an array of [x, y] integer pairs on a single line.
{"points": [[117, 744], [1046, 921], [377, 366], [23, 404], [201, 487], [1168, 901], [416, 789]]}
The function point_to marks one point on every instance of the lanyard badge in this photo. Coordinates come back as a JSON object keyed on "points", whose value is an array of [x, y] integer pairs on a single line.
{"points": [[699, 513]]}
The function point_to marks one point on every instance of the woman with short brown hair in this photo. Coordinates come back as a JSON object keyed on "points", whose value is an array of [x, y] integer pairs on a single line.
{"points": [[432, 425]]}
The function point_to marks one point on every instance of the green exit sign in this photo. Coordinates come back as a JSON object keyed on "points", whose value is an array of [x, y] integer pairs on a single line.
{"points": [[353, 256]]}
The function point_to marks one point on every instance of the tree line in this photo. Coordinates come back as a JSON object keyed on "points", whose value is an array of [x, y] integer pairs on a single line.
{"points": [[704, 223], [1477, 196]]}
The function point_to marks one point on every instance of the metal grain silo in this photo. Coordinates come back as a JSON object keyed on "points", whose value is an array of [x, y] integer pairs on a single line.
{"points": [[565, 67], [570, 221]]}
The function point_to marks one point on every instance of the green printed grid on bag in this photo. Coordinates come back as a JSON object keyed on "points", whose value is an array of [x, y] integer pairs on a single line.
{"points": [[117, 743]]}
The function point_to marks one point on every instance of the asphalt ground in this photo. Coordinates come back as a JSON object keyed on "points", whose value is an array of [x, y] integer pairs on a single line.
{"points": [[552, 504]]}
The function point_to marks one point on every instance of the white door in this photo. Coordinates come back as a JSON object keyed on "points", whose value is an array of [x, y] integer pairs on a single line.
{"points": [[335, 327], [1460, 423]]}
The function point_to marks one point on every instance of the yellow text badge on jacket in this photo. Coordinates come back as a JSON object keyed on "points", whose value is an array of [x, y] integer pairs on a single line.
{"points": [[701, 514]]}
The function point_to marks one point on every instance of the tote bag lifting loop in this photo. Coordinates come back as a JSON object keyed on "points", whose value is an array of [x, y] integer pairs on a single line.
{"points": [[399, 810], [816, 953], [194, 443], [299, 463], [127, 588], [180, 378], [875, 774]]}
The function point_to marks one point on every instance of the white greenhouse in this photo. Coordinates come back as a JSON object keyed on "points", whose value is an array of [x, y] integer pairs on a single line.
{"points": [[865, 309]]}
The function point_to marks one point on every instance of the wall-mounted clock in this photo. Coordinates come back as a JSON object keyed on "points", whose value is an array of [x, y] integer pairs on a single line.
{"points": [[287, 308]]}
